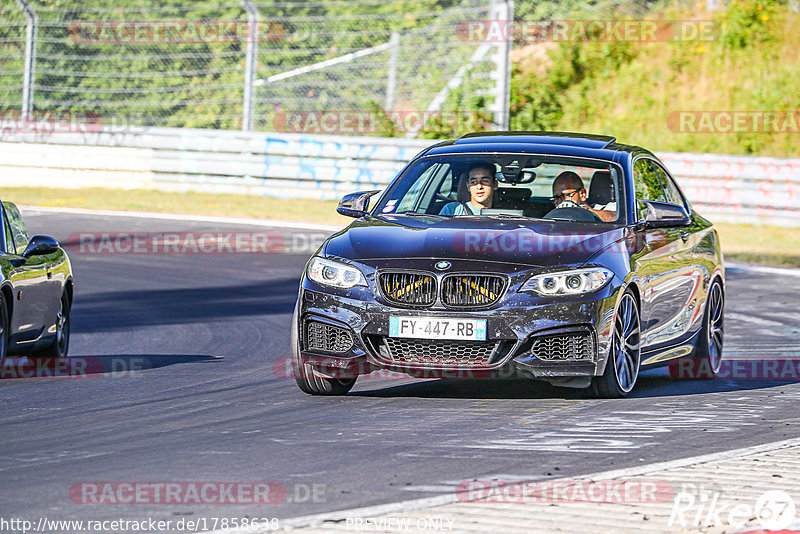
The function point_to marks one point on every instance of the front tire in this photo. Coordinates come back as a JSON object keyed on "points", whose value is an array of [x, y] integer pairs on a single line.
{"points": [[5, 320], [706, 359], [59, 349], [624, 356], [306, 379]]}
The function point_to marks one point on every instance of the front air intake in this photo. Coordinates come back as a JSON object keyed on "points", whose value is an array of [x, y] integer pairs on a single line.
{"points": [[470, 290], [407, 288], [327, 338], [572, 346]]}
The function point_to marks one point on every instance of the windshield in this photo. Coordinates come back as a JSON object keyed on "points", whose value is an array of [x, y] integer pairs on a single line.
{"points": [[516, 185]]}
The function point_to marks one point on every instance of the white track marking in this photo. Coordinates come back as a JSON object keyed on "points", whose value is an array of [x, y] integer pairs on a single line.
{"points": [[785, 271]]}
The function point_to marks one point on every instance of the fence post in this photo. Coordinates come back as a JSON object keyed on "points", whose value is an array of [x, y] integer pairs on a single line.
{"points": [[30, 57], [251, 57], [503, 12], [391, 79]]}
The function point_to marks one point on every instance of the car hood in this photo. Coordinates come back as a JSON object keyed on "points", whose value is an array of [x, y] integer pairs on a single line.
{"points": [[530, 242]]}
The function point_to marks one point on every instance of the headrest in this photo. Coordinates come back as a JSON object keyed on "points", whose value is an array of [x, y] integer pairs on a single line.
{"points": [[462, 194], [601, 188]]}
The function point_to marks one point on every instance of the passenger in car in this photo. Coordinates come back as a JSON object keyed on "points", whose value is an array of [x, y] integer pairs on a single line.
{"points": [[482, 184], [569, 194]]}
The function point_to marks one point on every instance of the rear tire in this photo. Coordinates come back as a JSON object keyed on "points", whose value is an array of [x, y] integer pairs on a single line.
{"points": [[624, 355], [706, 358], [308, 381], [59, 349]]}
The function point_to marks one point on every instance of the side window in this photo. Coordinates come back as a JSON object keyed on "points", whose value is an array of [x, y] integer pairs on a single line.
{"points": [[411, 199], [9, 238], [646, 184], [447, 188], [671, 190], [18, 230]]}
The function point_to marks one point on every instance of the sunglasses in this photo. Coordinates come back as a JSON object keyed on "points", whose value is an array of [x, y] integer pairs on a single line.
{"points": [[567, 193]]}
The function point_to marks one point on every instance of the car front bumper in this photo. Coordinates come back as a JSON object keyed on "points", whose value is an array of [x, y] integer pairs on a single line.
{"points": [[527, 338]]}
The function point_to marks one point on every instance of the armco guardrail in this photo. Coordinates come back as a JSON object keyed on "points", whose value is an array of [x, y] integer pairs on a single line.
{"points": [[744, 189], [284, 165], [733, 188]]}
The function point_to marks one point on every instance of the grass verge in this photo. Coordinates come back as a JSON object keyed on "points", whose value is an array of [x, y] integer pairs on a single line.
{"points": [[760, 244], [757, 244]]}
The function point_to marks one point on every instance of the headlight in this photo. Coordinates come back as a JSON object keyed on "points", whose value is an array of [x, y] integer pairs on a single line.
{"points": [[333, 273], [572, 282]]}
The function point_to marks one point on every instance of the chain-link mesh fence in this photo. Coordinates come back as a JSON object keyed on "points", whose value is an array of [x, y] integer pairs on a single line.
{"points": [[400, 60], [12, 54], [169, 63]]}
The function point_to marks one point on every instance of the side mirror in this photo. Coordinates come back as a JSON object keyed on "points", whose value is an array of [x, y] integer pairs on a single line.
{"points": [[355, 204], [40, 245], [665, 215]]}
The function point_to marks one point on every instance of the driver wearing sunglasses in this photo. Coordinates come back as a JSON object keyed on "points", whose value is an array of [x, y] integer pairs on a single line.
{"points": [[569, 192]]}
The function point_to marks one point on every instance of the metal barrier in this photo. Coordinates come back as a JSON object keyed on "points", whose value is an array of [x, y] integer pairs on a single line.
{"points": [[181, 159], [743, 189]]}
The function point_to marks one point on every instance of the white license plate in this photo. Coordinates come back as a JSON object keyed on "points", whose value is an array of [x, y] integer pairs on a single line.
{"points": [[433, 328]]}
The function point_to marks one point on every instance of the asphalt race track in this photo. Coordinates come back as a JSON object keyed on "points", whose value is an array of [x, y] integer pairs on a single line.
{"points": [[180, 376]]}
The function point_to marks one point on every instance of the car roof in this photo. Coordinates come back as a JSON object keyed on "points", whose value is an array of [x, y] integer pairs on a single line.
{"points": [[542, 142], [542, 138]]}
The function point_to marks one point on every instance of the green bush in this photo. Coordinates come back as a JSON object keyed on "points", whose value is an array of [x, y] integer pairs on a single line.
{"points": [[633, 90], [747, 22], [538, 104]]}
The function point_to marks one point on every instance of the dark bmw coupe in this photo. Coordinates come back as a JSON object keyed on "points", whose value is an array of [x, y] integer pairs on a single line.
{"points": [[562, 257], [35, 292]]}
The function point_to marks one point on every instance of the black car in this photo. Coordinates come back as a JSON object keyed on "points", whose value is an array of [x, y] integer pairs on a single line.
{"points": [[36, 288], [581, 286]]}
